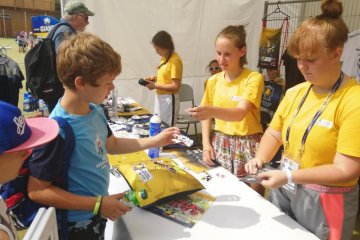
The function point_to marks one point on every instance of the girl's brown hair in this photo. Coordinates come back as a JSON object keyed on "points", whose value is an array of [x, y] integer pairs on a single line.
{"points": [[163, 40], [326, 32], [88, 56], [238, 35]]}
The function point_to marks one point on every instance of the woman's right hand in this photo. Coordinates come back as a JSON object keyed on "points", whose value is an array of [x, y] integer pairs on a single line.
{"points": [[112, 208], [253, 165], [209, 156]]}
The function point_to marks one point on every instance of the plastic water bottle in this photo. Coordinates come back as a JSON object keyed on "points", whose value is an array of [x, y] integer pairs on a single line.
{"points": [[155, 123], [114, 97], [131, 198]]}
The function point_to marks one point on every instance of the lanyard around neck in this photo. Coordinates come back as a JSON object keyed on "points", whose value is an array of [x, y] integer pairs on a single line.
{"points": [[315, 118]]}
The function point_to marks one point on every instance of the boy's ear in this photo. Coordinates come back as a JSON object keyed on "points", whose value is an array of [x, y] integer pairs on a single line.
{"points": [[243, 51], [79, 82]]}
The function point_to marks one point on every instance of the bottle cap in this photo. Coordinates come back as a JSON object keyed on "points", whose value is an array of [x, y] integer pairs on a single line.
{"points": [[143, 194]]}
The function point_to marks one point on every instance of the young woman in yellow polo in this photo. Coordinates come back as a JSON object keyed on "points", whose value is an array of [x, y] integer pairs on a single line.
{"points": [[318, 124], [232, 97]]}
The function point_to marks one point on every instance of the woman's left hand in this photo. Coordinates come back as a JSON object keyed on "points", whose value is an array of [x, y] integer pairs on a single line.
{"points": [[200, 113], [151, 85], [166, 136], [273, 178]]}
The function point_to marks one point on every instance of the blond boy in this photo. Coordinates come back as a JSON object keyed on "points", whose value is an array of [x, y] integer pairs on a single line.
{"points": [[87, 67]]}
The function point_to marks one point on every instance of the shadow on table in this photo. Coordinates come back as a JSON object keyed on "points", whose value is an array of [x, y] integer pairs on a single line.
{"points": [[120, 231], [231, 216], [287, 221]]}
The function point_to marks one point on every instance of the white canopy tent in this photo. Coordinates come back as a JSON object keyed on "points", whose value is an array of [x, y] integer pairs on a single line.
{"points": [[130, 25]]}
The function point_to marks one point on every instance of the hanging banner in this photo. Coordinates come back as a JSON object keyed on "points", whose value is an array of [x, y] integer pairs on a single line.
{"points": [[269, 48], [42, 25], [270, 101]]}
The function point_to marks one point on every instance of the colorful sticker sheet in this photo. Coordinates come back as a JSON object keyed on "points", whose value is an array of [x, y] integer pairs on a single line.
{"points": [[186, 210]]}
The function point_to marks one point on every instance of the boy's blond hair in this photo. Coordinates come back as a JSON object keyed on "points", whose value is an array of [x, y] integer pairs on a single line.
{"points": [[88, 56]]}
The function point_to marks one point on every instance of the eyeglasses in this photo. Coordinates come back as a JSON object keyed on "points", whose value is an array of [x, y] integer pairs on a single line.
{"points": [[86, 18], [215, 68]]}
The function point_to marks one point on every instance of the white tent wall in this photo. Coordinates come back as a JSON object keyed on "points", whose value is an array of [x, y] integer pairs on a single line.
{"points": [[130, 25]]}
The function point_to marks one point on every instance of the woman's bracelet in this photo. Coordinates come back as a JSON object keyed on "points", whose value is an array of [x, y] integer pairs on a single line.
{"points": [[97, 205], [289, 176]]}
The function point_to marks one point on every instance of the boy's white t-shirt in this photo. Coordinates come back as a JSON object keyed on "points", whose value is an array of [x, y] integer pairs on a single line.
{"points": [[6, 223]]}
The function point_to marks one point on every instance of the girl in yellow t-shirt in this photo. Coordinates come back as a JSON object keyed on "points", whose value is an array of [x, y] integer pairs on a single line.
{"points": [[168, 79], [232, 97], [318, 124]]}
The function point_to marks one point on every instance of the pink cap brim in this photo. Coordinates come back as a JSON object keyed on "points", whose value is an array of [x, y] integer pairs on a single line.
{"points": [[43, 130]]}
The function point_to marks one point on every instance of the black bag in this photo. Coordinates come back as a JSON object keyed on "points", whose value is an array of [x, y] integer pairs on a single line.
{"points": [[42, 80]]}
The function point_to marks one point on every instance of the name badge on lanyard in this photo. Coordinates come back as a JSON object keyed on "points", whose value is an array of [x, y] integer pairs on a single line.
{"points": [[236, 98], [287, 164]]}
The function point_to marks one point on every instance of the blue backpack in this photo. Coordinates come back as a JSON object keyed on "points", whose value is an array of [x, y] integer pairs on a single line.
{"points": [[22, 209]]}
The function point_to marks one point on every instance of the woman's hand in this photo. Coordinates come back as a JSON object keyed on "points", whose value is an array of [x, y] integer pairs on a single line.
{"points": [[200, 113], [209, 156], [112, 208], [151, 82], [273, 178], [253, 165]]}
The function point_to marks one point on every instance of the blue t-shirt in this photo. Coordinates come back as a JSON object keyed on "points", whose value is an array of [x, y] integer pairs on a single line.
{"points": [[89, 167], [62, 32]]}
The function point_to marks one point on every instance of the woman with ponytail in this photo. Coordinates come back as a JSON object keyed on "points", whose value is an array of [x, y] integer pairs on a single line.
{"points": [[168, 80], [318, 124]]}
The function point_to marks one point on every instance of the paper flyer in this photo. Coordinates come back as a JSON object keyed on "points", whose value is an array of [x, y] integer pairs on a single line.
{"points": [[186, 210]]}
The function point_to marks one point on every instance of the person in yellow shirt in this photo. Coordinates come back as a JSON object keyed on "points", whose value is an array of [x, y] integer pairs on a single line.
{"points": [[318, 124], [232, 97], [214, 68], [168, 79]]}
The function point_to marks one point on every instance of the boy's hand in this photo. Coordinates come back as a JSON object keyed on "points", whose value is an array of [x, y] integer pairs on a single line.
{"points": [[200, 113], [166, 136], [112, 208]]}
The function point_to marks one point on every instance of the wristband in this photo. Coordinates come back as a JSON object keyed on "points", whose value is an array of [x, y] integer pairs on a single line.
{"points": [[289, 177], [97, 205]]}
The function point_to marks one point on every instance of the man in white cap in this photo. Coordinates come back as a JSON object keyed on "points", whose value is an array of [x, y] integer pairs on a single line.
{"points": [[76, 18], [17, 139]]}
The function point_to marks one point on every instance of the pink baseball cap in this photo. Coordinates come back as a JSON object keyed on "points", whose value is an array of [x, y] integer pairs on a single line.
{"points": [[18, 133]]}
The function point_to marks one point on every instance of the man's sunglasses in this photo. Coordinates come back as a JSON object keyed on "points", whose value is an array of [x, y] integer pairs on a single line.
{"points": [[86, 18], [214, 68]]}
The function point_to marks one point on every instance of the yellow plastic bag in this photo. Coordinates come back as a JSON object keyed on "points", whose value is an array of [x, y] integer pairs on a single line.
{"points": [[162, 178]]}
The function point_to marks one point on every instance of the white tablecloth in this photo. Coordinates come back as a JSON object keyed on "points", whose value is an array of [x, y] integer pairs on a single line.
{"points": [[238, 213]]}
